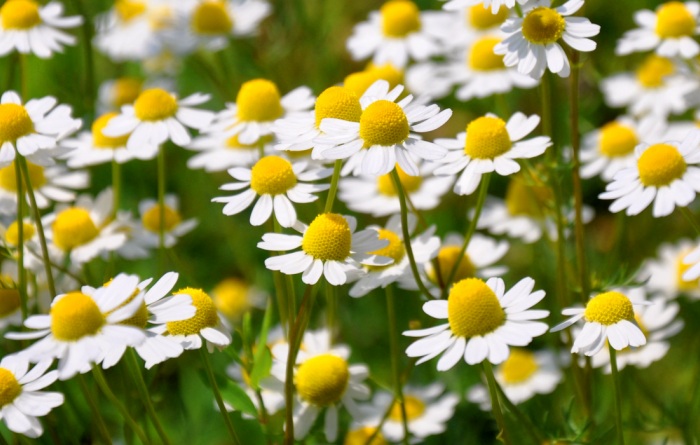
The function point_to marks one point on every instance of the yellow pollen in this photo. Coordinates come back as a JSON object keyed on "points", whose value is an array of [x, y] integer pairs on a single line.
{"points": [[518, 367], [617, 140], [99, 140], [231, 298], [473, 309], [322, 380], [155, 104], [481, 18], [259, 100], [681, 269], [75, 316], [9, 301], [337, 103], [609, 308], [660, 165], [487, 138], [446, 259], [400, 18], [8, 177], [410, 184], [482, 57], [73, 227], [151, 218], [525, 198], [361, 435], [328, 238], [414, 409], [673, 19], [360, 81], [652, 72], [272, 175], [20, 14], [543, 26], [14, 120], [125, 90], [394, 250], [12, 232], [383, 123], [212, 17], [204, 317], [128, 10], [9, 387]]}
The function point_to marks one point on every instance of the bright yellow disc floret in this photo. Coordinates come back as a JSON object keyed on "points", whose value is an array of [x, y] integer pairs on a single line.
{"points": [[211, 18], [520, 365], [543, 26], [414, 409], [328, 238], [527, 197], [609, 308], [410, 184], [360, 81], [20, 14], [481, 18], [73, 227], [151, 218], [8, 177], [258, 100], [681, 269], [140, 318], [204, 317], [394, 250], [9, 387], [231, 298], [12, 232], [673, 19], [155, 104], [383, 123], [9, 301], [99, 140], [272, 175], [487, 138], [482, 57], [14, 121], [75, 316], [362, 435], [338, 103], [653, 71], [127, 10], [125, 91], [322, 380], [400, 18], [446, 259], [473, 309], [660, 165], [617, 139]]}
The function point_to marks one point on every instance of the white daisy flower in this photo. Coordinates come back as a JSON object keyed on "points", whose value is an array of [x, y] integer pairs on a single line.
{"points": [[521, 376], [666, 273], [608, 316], [482, 322], [33, 259], [424, 245], [258, 105], [669, 30], [329, 247], [80, 328], [453, 5], [276, 183], [10, 303], [384, 137], [156, 117], [361, 431], [218, 152], [532, 40], [234, 297], [490, 144], [22, 401], [113, 94], [32, 129], [174, 227], [30, 28], [469, 23], [397, 33], [666, 174]]}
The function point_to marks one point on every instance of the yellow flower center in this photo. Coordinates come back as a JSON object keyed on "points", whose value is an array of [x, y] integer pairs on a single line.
{"points": [[9, 301], [151, 218], [446, 259], [231, 298], [360, 81], [14, 119], [212, 17], [128, 10], [481, 18], [272, 175], [383, 123], [414, 409], [161, 17], [338, 103], [617, 140], [673, 19], [410, 184], [386, 72], [399, 18], [518, 367], [527, 199], [8, 177], [73, 227], [482, 57], [20, 14], [259, 100], [473, 309], [543, 26], [652, 72], [660, 165], [75, 316], [140, 317], [125, 90], [487, 138], [328, 238], [361, 435], [9, 387], [394, 250], [205, 315], [99, 140], [322, 380], [609, 308], [681, 269], [12, 232], [155, 104]]}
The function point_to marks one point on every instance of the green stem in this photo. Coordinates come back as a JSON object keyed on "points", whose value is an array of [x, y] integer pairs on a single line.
{"points": [[534, 433], [495, 403], [334, 186], [395, 354], [89, 60], [618, 396], [20, 242], [217, 395], [691, 219], [143, 393], [94, 407]]}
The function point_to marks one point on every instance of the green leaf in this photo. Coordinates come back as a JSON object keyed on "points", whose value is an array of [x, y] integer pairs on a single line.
{"points": [[261, 367], [235, 396]]}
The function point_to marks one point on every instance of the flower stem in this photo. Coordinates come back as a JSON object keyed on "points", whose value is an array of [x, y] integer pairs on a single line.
{"points": [[101, 426], [618, 396], [21, 272], [691, 219], [495, 403], [534, 433], [334, 186], [87, 30], [217, 395], [143, 393], [395, 353]]}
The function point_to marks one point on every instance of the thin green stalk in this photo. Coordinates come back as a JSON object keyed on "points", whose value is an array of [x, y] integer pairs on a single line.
{"points": [[618, 396], [104, 387], [290, 290], [3, 441], [495, 403], [217, 395], [481, 199], [20, 242], [331, 308], [407, 235], [136, 375], [531, 429], [116, 187], [87, 30], [95, 408], [334, 186], [395, 354], [691, 219]]}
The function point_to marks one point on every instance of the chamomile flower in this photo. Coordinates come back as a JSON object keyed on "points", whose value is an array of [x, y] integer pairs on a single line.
{"points": [[21, 400], [692, 264], [234, 297], [156, 117], [113, 94], [665, 174], [532, 40], [397, 33], [482, 322], [490, 144], [31, 28], [218, 152], [669, 30], [470, 23], [383, 137], [521, 376], [359, 82], [608, 316], [329, 247], [276, 183], [80, 328], [362, 431], [32, 129], [10, 304], [174, 227], [666, 273], [453, 5]]}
